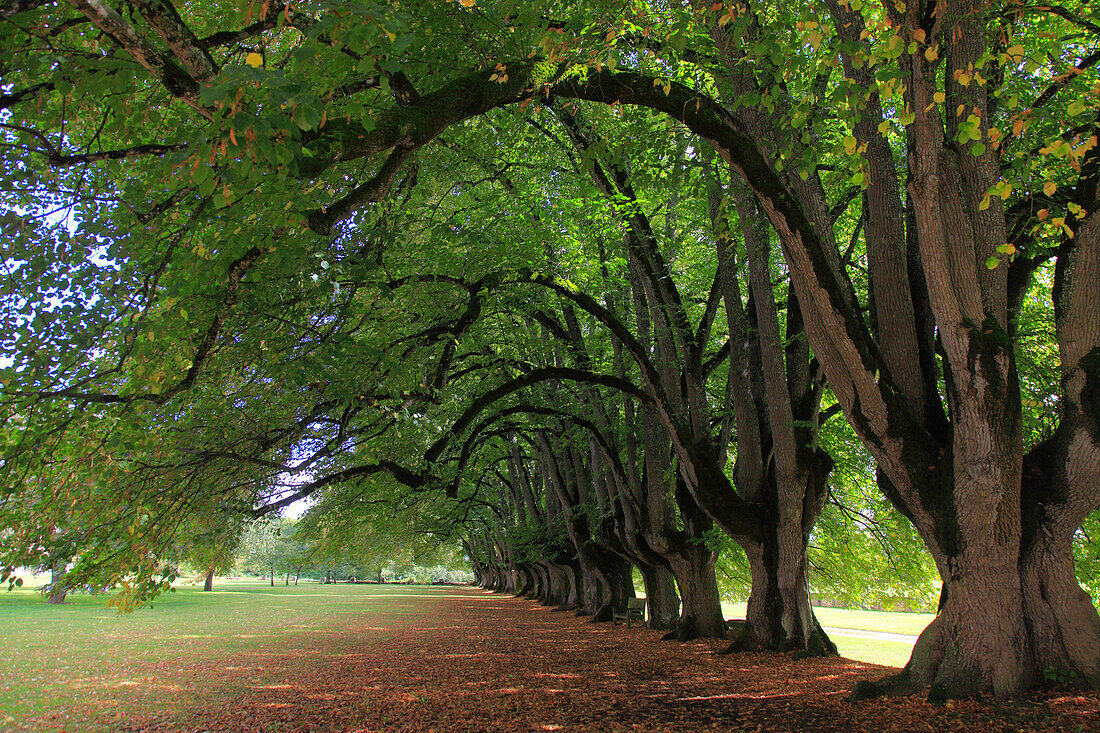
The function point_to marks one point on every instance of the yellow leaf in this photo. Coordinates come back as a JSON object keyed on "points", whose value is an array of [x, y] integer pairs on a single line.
{"points": [[254, 60], [940, 97], [466, 3], [1049, 188]]}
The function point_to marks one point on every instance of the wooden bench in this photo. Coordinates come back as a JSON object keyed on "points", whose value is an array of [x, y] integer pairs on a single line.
{"points": [[634, 611]]}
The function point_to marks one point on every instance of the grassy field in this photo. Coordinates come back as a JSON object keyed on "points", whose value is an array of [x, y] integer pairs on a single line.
{"points": [[82, 659], [878, 651]]}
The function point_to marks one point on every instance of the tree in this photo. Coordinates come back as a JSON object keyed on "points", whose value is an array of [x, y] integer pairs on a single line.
{"points": [[232, 196], [264, 548]]}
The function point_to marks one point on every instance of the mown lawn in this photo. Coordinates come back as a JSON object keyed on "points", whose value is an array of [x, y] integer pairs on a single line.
{"points": [[82, 661], [877, 651]]}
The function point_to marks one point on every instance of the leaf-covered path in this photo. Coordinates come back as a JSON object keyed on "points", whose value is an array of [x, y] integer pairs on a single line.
{"points": [[472, 660]]}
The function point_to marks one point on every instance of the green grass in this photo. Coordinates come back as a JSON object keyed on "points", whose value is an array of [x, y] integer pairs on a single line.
{"points": [[83, 660], [891, 622], [877, 651]]}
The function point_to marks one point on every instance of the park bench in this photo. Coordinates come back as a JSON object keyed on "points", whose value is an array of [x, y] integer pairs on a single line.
{"points": [[634, 611]]}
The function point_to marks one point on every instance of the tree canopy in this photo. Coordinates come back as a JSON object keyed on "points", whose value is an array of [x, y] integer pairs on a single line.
{"points": [[584, 287]]}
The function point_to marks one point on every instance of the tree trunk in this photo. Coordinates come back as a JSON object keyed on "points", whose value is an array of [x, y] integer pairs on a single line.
{"points": [[662, 601], [616, 584], [1064, 625], [557, 586], [701, 614], [58, 588], [778, 616], [977, 642], [208, 584], [572, 586], [620, 573], [524, 582]]}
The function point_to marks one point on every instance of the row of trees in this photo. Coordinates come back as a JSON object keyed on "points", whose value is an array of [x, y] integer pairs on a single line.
{"points": [[273, 547], [583, 289]]}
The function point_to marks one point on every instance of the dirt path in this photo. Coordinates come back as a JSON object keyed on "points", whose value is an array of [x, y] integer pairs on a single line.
{"points": [[475, 661]]}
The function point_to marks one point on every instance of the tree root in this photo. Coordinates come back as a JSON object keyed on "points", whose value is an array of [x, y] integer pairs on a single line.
{"points": [[741, 630], [896, 685], [818, 645]]}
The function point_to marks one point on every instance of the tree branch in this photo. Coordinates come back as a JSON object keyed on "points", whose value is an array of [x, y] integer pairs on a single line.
{"points": [[163, 66]]}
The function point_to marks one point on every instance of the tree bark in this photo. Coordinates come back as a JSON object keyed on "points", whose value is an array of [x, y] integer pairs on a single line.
{"points": [[662, 601], [701, 613], [1064, 625], [779, 616], [208, 584]]}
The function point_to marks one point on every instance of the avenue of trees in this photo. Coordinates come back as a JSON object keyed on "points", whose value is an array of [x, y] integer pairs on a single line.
{"points": [[583, 288]]}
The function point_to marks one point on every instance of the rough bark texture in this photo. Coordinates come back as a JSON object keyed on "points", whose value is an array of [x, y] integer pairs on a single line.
{"points": [[701, 612], [662, 602]]}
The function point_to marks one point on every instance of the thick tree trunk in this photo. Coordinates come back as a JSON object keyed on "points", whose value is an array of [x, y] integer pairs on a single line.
{"points": [[978, 641], [701, 613], [778, 616], [208, 584], [1064, 625], [557, 586], [662, 601], [621, 574], [1005, 623], [523, 581], [617, 585], [571, 573], [543, 586]]}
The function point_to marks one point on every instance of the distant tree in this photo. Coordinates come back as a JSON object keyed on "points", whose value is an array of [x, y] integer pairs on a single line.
{"points": [[263, 548], [212, 548]]}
